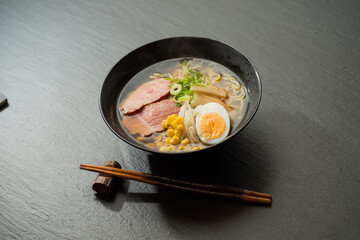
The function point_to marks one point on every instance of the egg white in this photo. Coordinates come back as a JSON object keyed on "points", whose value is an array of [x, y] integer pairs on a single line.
{"points": [[199, 111]]}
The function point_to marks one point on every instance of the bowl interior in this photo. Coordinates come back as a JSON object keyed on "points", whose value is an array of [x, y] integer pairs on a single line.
{"points": [[171, 48]]}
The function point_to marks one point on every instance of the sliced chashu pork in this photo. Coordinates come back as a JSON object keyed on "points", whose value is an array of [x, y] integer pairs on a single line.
{"points": [[147, 93], [149, 119]]}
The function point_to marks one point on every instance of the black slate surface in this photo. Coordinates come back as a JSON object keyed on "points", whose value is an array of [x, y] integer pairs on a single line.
{"points": [[302, 146]]}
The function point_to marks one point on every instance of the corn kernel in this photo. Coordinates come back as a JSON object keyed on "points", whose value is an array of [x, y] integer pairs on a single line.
{"points": [[170, 133], [178, 133], [167, 141], [164, 124], [159, 144], [170, 148], [170, 119], [173, 124], [139, 138], [181, 148], [195, 148], [163, 149], [150, 145], [175, 140], [180, 120], [180, 127], [185, 142]]}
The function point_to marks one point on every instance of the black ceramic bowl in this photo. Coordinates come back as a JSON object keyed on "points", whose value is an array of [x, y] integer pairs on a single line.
{"points": [[171, 48]]}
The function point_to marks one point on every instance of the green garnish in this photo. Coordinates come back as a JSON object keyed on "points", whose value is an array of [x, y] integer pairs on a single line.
{"points": [[175, 89], [180, 88], [184, 61]]}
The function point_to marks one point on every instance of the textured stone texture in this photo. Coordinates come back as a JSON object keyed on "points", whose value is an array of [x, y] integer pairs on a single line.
{"points": [[302, 146]]}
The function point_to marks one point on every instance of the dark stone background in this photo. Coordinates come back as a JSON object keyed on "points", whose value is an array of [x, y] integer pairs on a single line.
{"points": [[302, 146]]}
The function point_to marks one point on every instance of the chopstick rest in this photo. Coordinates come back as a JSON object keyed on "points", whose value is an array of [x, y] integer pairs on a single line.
{"points": [[3, 100], [104, 183]]}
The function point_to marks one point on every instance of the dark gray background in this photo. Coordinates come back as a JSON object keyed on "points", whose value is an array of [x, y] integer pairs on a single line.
{"points": [[302, 146]]}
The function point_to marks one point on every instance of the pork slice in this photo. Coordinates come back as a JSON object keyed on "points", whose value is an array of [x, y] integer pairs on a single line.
{"points": [[155, 113], [149, 119], [147, 93]]}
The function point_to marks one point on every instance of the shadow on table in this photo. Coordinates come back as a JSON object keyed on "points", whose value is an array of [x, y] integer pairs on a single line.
{"points": [[112, 201], [242, 162]]}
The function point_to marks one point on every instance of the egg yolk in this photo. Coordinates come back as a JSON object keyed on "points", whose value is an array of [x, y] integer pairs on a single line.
{"points": [[212, 125]]}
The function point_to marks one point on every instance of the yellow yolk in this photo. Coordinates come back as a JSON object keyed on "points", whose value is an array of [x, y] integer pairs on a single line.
{"points": [[212, 125]]}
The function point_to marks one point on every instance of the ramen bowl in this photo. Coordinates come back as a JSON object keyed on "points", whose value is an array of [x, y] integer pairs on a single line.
{"points": [[173, 48]]}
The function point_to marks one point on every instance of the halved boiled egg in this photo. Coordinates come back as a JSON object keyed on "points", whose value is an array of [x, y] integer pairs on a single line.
{"points": [[212, 123]]}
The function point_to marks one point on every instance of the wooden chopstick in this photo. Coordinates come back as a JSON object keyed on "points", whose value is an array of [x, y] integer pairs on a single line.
{"points": [[230, 192], [212, 187]]}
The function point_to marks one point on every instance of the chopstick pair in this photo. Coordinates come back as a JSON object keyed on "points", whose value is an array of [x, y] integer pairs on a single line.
{"points": [[213, 190]]}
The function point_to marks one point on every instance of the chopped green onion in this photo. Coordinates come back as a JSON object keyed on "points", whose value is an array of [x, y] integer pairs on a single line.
{"points": [[180, 88], [184, 98], [175, 89], [185, 61]]}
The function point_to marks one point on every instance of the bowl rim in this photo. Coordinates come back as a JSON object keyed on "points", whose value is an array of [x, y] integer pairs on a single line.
{"points": [[185, 152]]}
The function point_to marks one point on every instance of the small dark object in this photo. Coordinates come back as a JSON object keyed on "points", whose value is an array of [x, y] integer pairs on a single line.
{"points": [[104, 183], [3, 100]]}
